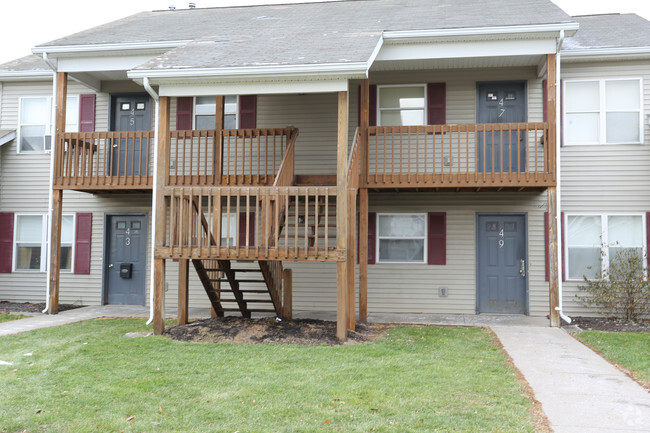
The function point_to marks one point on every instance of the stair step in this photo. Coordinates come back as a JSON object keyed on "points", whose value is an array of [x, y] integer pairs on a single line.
{"points": [[242, 290], [225, 280], [233, 270], [267, 301], [250, 310]]}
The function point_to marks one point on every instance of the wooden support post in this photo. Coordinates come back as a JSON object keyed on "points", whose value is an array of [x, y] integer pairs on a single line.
{"points": [[342, 217], [183, 290], [553, 250], [57, 197], [351, 258], [160, 224], [218, 154], [287, 294], [364, 123], [363, 255], [159, 297]]}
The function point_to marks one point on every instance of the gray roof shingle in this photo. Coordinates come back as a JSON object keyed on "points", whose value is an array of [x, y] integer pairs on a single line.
{"points": [[609, 31]]}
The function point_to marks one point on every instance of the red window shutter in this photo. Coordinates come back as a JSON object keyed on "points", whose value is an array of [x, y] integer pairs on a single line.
{"points": [[6, 241], [436, 103], [241, 236], [87, 112], [372, 105], [248, 111], [437, 238], [83, 236], [372, 238], [546, 262], [647, 234], [184, 107]]}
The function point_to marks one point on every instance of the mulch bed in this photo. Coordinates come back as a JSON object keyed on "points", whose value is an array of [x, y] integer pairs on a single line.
{"points": [[610, 324], [29, 307], [304, 332]]}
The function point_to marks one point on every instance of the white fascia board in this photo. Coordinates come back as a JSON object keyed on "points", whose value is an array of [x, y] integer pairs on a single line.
{"points": [[118, 47], [614, 53], [466, 49], [122, 62], [254, 88], [351, 70], [26, 75], [569, 28]]}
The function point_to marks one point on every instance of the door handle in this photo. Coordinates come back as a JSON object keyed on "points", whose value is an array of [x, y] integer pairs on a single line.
{"points": [[522, 267], [110, 266]]}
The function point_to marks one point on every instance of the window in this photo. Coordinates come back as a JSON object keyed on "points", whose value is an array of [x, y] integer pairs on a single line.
{"points": [[587, 235], [401, 105], [35, 122], [603, 111], [229, 229], [31, 242], [402, 238], [205, 112]]}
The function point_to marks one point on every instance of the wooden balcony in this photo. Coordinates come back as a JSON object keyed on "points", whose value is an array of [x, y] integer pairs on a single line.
{"points": [[250, 223], [101, 161], [472, 157]]}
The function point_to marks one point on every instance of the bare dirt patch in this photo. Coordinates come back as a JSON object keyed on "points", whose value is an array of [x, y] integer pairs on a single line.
{"points": [[610, 324], [29, 307], [304, 332]]}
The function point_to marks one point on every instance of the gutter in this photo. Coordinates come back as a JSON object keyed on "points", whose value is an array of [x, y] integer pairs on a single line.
{"points": [[119, 46], [569, 27], [50, 192], [587, 53], [558, 166], [154, 95]]}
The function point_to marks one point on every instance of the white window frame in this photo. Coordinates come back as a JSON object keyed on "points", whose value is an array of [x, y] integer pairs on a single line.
{"points": [[236, 112], [45, 244], [379, 109], [604, 238], [70, 126], [602, 110], [425, 238]]}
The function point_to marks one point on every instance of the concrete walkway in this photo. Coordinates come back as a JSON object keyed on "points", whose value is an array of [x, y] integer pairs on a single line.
{"points": [[579, 391]]}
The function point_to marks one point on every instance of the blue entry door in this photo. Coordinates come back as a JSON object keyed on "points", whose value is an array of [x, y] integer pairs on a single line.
{"points": [[501, 151], [502, 264], [126, 259], [130, 157]]}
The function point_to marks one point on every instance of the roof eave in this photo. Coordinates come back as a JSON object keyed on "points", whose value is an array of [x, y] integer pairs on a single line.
{"points": [[25, 75], [569, 28], [612, 53], [93, 48]]}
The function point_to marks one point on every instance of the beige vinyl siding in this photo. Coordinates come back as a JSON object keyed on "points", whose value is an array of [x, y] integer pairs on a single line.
{"points": [[606, 178]]}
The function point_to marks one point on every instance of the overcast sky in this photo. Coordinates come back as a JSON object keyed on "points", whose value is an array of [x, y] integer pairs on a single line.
{"points": [[27, 23]]}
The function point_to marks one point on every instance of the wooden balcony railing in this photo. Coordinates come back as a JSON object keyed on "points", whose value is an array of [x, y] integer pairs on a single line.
{"points": [[240, 157], [477, 155], [251, 223], [104, 160]]}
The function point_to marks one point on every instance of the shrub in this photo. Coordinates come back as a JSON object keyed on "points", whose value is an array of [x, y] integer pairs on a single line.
{"points": [[623, 290]]}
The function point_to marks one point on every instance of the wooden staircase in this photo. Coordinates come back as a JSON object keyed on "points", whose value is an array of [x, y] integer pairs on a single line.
{"points": [[315, 216], [235, 298]]}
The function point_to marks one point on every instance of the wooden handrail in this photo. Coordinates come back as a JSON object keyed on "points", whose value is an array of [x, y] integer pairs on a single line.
{"points": [[286, 171], [506, 154], [353, 161], [300, 233], [101, 160]]}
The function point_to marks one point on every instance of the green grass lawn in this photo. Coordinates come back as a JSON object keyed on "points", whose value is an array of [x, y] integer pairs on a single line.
{"points": [[4, 317], [88, 377], [630, 350]]}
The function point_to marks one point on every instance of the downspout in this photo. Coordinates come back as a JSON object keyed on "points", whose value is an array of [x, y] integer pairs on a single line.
{"points": [[558, 141], [154, 95], [51, 190]]}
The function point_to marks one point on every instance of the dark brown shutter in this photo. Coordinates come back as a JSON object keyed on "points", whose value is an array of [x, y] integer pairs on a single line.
{"points": [[437, 238], [372, 238], [6, 241], [436, 103], [546, 262], [87, 112], [248, 111], [241, 241], [83, 236], [372, 105], [184, 107]]}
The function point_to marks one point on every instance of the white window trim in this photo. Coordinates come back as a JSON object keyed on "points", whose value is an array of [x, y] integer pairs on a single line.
{"points": [[48, 125], [236, 112], [45, 244], [379, 110], [425, 238], [602, 111], [603, 238]]}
